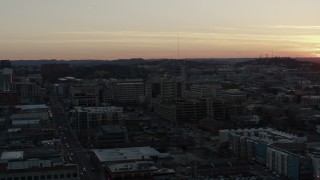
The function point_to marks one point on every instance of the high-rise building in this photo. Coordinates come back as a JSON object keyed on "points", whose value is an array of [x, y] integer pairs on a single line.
{"points": [[125, 91], [165, 87], [5, 64], [6, 76], [85, 94], [181, 111]]}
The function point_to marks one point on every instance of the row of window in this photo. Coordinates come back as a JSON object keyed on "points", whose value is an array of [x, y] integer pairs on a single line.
{"points": [[43, 177]]}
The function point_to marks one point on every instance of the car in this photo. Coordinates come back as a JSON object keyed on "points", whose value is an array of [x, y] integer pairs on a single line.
{"points": [[92, 169], [84, 170]]}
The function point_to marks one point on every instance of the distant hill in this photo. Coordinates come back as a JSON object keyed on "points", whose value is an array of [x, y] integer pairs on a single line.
{"points": [[284, 62], [137, 61], [53, 61], [87, 63], [127, 62]]}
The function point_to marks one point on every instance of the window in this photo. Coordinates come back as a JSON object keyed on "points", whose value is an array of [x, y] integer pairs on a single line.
{"points": [[23, 178], [9, 178], [29, 178], [35, 177], [68, 175], [16, 178], [61, 175], [55, 176], [42, 177], [3, 178], [75, 175], [49, 176]]}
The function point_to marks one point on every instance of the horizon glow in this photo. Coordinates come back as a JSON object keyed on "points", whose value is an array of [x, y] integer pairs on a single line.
{"points": [[113, 29]]}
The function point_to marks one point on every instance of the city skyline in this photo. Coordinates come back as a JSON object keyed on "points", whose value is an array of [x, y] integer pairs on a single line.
{"points": [[96, 29]]}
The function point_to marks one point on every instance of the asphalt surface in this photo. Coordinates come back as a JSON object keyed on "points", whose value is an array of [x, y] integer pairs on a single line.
{"points": [[73, 150]]}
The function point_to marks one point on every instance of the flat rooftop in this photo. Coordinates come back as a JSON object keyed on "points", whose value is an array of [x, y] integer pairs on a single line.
{"points": [[132, 167], [33, 106], [101, 109], [113, 129], [128, 154], [12, 155]]}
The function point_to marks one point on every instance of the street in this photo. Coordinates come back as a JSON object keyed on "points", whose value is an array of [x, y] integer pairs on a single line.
{"points": [[71, 146]]}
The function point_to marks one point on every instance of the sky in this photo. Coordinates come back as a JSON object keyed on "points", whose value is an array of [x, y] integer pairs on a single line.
{"points": [[115, 29]]}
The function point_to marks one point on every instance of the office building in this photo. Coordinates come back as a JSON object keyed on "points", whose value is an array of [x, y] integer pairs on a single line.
{"points": [[181, 111], [6, 78], [199, 90], [28, 90], [223, 109], [127, 91], [85, 93], [165, 87]]}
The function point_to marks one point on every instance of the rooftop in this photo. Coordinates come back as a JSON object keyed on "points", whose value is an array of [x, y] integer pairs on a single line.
{"points": [[128, 154], [267, 135], [113, 129], [34, 106], [131, 167], [12, 155], [98, 109]]}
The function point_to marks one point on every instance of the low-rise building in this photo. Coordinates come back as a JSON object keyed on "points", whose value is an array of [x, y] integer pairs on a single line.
{"points": [[109, 135], [133, 170], [36, 164], [128, 163], [223, 169], [88, 120], [284, 153], [25, 114]]}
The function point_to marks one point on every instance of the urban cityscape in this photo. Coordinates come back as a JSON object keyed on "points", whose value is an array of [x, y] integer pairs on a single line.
{"points": [[160, 119], [162, 90]]}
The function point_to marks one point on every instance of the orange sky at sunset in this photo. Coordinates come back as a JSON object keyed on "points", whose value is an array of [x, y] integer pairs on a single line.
{"points": [[99, 29]]}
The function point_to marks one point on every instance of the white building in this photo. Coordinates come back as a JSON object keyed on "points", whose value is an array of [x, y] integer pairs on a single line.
{"points": [[94, 117], [37, 164], [30, 114]]}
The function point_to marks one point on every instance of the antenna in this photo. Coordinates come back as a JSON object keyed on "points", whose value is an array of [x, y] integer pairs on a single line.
{"points": [[178, 38]]}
